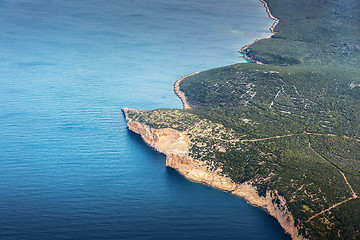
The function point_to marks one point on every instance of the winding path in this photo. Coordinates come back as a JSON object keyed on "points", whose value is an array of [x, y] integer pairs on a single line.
{"points": [[354, 195], [326, 210], [269, 138]]}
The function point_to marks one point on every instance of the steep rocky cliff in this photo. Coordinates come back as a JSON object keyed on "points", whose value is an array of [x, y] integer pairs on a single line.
{"points": [[175, 145]]}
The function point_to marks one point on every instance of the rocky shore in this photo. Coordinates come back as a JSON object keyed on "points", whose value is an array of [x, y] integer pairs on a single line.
{"points": [[179, 93], [272, 29], [175, 145]]}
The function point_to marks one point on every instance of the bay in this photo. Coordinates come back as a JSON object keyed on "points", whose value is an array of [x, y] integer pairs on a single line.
{"points": [[69, 168]]}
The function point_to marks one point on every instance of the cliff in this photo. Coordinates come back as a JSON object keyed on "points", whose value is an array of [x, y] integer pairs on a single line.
{"points": [[175, 145]]}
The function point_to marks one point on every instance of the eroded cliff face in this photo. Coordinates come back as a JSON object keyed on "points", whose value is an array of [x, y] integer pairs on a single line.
{"points": [[175, 145], [166, 140]]}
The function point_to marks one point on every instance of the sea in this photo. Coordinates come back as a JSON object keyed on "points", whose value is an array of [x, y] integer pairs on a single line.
{"points": [[69, 167]]}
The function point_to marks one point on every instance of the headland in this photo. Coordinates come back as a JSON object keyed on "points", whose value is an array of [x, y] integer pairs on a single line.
{"points": [[283, 134]]}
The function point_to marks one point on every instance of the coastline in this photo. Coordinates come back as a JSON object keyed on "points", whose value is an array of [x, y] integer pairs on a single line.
{"points": [[311, 198], [272, 30], [191, 168], [175, 146], [181, 94]]}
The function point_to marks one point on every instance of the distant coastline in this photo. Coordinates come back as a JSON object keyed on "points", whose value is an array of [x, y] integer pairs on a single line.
{"points": [[272, 30], [181, 94]]}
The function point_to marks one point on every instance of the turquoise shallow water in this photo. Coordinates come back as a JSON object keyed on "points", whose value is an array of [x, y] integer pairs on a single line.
{"points": [[69, 168]]}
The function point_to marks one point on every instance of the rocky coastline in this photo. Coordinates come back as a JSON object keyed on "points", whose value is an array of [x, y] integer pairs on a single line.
{"points": [[181, 94], [272, 30], [175, 146]]}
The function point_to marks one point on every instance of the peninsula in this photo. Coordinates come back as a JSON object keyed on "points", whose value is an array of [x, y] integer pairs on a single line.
{"points": [[284, 134]]}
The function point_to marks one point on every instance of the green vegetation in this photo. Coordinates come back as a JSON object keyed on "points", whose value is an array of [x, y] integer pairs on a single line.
{"points": [[319, 32], [293, 124]]}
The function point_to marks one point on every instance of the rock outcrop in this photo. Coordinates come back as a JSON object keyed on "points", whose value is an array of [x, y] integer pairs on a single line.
{"points": [[175, 145]]}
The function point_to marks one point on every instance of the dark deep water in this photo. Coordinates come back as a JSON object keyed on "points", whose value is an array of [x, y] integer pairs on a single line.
{"points": [[69, 168]]}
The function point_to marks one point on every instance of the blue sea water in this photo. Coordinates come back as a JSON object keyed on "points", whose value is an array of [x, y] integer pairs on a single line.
{"points": [[69, 168]]}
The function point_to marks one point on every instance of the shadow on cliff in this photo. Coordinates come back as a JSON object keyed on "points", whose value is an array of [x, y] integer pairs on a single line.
{"points": [[143, 147]]}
